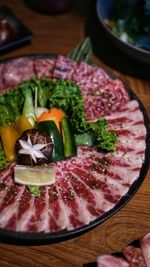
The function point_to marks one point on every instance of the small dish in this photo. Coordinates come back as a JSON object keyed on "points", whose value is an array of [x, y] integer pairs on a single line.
{"points": [[17, 33]]}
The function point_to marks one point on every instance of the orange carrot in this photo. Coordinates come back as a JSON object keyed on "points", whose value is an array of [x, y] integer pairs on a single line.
{"points": [[54, 114]]}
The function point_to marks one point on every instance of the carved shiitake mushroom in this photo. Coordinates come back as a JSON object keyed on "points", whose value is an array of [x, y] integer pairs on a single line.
{"points": [[33, 148]]}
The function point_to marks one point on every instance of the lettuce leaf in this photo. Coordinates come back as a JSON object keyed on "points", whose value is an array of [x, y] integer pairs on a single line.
{"points": [[10, 106], [34, 190], [3, 161]]}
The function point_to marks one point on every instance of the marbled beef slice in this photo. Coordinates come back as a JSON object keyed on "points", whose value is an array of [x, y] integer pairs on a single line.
{"points": [[44, 67], [111, 261], [145, 247], [17, 71]]}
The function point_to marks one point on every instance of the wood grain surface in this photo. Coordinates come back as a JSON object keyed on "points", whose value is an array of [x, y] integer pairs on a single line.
{"points": [[59, 34]]}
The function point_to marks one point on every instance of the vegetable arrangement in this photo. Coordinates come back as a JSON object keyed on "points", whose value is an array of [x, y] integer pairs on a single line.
{"points": [[43, 121]]}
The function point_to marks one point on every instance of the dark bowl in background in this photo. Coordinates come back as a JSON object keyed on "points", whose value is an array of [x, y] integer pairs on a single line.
{"points": [[104, 10]]}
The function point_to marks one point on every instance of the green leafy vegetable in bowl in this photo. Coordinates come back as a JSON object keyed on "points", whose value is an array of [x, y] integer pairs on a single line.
{"points": [[130, 21]]}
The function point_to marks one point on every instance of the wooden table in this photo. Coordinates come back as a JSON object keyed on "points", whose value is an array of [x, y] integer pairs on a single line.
{"points": [[59, 34]]}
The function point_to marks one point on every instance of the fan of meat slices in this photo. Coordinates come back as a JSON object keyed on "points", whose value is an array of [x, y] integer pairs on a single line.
{"points": [[101, 148]]}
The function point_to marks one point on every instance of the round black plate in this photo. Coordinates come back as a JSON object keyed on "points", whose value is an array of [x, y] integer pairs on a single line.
{"points": [[43, 238]]}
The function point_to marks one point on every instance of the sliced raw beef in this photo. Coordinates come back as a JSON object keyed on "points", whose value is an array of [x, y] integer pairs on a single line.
{"points": [[17, 71], [128, 124], [10, 205], [145, 246], [102, 94], [44, 67], [89, 77], [134, 256], [64, 68], [107, 99], [111, 261], [6, 172], [86, 186]]}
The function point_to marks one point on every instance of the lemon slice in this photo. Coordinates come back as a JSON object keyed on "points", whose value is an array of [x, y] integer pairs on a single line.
{"points": [[36, 175]]}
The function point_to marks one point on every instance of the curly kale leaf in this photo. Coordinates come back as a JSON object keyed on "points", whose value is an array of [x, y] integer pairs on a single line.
{"points": [[67, 96], [104, 139]]}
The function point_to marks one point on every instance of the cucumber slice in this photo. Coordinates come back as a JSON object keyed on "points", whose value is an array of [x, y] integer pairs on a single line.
{"points": [[70, 148]]}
